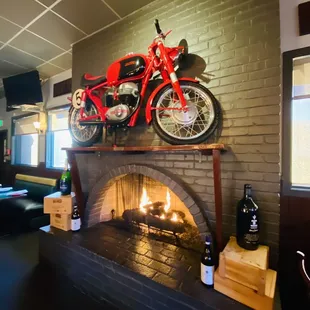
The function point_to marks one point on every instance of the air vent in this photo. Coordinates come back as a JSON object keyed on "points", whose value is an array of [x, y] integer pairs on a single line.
{"points": [[62, 88]]}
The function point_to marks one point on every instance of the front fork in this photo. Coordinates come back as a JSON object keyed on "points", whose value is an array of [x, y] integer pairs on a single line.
{"points": [[83, 101], [173, 77]]}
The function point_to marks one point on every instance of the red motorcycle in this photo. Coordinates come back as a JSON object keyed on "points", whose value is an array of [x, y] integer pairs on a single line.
{"points": [[181, 110]]}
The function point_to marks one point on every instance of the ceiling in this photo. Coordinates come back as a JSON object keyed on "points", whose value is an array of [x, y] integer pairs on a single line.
{"points": [[40, 33]]}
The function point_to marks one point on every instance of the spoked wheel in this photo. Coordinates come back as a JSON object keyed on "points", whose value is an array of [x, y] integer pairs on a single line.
{"points": [[84, 135], [191, 127]]}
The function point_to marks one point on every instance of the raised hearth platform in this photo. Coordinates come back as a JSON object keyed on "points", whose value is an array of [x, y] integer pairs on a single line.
{"points": [[130, 271]]}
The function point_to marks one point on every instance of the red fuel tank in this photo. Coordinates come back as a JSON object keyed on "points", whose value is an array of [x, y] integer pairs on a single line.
{"points": [[129, 67]]}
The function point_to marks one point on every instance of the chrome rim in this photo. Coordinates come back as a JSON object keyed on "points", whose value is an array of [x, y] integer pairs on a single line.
{"points": [[82, 133], [185, 125]]}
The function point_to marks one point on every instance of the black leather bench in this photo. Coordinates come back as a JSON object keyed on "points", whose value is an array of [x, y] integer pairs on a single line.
{"points": [[18, 214]]}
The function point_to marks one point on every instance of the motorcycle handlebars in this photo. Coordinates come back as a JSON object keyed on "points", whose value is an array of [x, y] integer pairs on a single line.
{"points": [[156, 23]]}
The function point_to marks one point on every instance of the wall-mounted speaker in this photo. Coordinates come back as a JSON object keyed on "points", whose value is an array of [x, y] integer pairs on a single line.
{"points": [[304, 18], [62, 88]]}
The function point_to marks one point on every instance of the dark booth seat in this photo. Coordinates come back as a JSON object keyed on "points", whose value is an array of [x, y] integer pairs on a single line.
{"points": [[17, 214]]}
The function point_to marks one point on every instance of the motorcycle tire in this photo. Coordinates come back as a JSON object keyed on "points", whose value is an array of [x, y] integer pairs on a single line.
{"points": [[95, 130], [172, 139]]}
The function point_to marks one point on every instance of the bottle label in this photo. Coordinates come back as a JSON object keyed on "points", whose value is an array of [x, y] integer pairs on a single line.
{"points": [[254, 225], [207, 274], [252, 238], [63, 186], [75, 224]]}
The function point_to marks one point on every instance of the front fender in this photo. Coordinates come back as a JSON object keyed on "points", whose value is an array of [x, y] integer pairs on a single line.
{"points": [[148, 110]]}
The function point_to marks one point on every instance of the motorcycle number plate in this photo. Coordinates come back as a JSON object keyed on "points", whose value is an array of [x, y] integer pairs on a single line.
{"points": [[77, 98]]}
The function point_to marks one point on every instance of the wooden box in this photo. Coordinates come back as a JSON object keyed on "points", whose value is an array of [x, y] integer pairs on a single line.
{"points": [[61, 221], [248, 268], [246, 295], [56, 203]]}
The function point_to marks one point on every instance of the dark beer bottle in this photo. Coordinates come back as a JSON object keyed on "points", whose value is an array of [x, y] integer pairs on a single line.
{"points": [[207, 264], [247, 221]]}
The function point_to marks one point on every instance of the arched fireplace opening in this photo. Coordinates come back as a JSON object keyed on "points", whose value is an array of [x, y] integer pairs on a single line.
{"points": [[147, 201]]}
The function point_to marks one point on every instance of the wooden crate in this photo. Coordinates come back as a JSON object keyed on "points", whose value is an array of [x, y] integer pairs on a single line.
{"points": [[246, 295], [61, 221], [57, 203], [248, 268]]}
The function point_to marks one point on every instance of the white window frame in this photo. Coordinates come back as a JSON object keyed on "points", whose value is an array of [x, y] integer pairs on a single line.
{"points": [[49, 154]]}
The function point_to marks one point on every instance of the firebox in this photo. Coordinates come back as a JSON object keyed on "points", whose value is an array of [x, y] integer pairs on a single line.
{"points": [[147, 206]]}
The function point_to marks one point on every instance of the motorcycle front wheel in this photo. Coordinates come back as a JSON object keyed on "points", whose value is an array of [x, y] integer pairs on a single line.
{"points": [[84, 135], [194, 126]]}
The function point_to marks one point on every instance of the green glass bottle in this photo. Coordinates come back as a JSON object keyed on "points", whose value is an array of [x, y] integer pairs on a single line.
{"points": [[65, 180]]}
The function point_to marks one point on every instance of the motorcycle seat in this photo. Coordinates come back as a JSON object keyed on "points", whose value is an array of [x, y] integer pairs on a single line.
{"points": [[91, 80]]}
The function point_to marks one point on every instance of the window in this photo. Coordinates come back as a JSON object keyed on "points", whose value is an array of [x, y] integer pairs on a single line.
{"points": [[295, 155], [300, 154], [25, 146], [58, 136]]}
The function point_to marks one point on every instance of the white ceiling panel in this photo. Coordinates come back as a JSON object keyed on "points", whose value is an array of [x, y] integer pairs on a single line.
{"points": [[56, 30], [88, 17], [40, 33]]}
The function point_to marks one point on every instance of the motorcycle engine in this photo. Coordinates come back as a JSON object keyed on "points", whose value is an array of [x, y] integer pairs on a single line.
{"points": [[128, 97]]}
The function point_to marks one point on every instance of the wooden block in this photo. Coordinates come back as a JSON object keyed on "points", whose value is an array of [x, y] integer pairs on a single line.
{"points": [[248, 268], [222, 265], [57, 203], [61, 221], [246, 295]]}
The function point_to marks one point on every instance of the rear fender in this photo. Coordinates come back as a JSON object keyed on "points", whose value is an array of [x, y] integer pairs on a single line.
{"points": [[148, 109]]}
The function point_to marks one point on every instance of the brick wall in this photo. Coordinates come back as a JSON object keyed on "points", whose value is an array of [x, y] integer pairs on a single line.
{"points": [[238, 44]]}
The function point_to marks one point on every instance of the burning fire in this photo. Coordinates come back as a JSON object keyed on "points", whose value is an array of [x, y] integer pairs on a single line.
{"points": [[174, 217], [146, 204], [145, 200], [168, 202]]}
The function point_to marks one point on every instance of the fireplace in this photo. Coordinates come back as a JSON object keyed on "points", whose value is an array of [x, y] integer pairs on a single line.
{"points": [[148, 201], [145, 206], [142, 227]]}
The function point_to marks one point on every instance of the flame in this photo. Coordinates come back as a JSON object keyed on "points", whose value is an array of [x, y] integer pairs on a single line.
{"points": [[174, 217], [145, 200], [168, 204]]}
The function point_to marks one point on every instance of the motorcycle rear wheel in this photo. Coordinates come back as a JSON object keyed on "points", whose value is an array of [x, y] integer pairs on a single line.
{"points": [[192, 127], [84, 135]]}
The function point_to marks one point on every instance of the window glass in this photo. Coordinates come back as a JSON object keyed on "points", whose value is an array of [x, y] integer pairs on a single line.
{"points": [[301, 80], [58, 136], [300, 165], [25, 141], [25, 125]]}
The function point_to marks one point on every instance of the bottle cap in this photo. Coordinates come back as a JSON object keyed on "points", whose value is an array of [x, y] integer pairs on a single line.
{"points": [[247, 186]]}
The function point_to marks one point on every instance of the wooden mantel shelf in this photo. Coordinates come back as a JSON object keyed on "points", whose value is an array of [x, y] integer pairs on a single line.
{"points": [[205, 149]]}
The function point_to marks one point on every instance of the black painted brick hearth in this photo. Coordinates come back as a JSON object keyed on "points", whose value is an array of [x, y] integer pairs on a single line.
{"points": [[121, 268]]}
